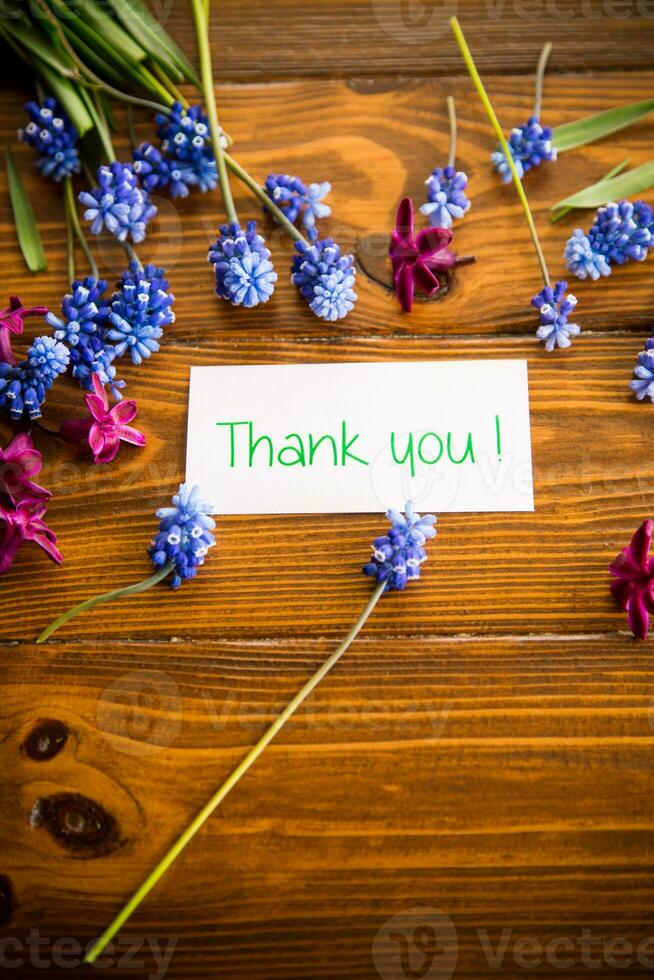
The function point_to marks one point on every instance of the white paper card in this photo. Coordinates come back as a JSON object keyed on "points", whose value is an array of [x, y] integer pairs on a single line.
{"points": [[359, 438]]}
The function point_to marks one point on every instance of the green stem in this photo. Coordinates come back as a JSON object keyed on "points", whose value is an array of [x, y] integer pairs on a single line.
{"points": [[260, 192], [206, 73], [70, 240], [154, 83], [479, 85], [540, 76], [229, 783], [129, 113], [612, 173], [107, 597], [451, 114], [131, 253], [168, 84], [71, 211]]}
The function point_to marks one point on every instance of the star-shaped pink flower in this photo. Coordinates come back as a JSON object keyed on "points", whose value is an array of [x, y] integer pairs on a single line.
{"points": [[25, 523], [633, 580], [11, 321], [18, 463], [106, 427], [416, 261]]}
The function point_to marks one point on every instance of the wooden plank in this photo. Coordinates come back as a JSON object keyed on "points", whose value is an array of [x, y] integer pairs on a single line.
{"points": [[505, 782], [520, 573], [385, 37], [331, 130]]}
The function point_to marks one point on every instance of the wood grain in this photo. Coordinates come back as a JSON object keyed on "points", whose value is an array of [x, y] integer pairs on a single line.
{"points": [[440, 775], [332, 130], [340, 38], [485, 747]]}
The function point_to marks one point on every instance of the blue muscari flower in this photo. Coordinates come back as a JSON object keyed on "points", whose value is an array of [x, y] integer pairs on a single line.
{"points": [[184, 535], [619, 233], [324, 277], [446, 196], [643, 383], [295, 198], [51, 133], [244, 274], [93, 356], [398, 555], [118, 203], [83, 311], [186, 142], [530, 145], [582, 260], [23, 387], [554, 308], [140, 308]]}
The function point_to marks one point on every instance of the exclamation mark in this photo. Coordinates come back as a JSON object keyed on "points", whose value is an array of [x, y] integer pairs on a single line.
{"points": [[498, 438]]}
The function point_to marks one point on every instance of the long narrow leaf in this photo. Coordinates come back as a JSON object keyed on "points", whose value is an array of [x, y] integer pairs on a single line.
{"points": [[111, 31], [28, 234], [39, 45], [613, 172], [67, 96], [592, 128], [140, 23], [626, 185]]}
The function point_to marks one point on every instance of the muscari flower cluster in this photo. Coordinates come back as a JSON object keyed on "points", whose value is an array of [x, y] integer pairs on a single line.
{"points": [[23, 386], [295, 198], [398, 555], [324, 276], [446, 197], [52, 135], [244, 273], [620, 232], [185, 156], [23, 503], [555, 308], [530, 145], [118, 203], [184, 536], [98, 329]]}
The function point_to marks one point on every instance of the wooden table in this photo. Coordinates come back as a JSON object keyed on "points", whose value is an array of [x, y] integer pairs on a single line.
{"points": [[485, 749]]}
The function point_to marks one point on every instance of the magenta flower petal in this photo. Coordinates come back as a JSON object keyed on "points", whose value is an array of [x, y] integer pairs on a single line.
{"points": [[123, 412], [11, 321], [432, 240], [415, 261], [127, 433], [106, 427], [18, 462], [22, 523], [633, 580]]}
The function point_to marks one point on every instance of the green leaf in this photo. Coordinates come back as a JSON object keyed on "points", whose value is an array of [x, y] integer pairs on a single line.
{"points": [[612, 173], [35, 42], [140, 23], [67, 95], [28, 234], [626, 185], [110, 31], [591, 128]]}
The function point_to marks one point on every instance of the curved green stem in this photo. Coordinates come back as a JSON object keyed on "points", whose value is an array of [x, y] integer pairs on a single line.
{"points": [[230, 782], [169, 85], [540, 76], [201, 18], [107, 597], [451, 115], [131, 253], [71, 211], [479, 85], [260, 192]]}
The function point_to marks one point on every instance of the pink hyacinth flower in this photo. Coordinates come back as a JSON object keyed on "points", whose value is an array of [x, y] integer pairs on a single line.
{"points": [[11, 321], [106, 428], [633, 580], [25, 523], [416, 261], [18, 463]]}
